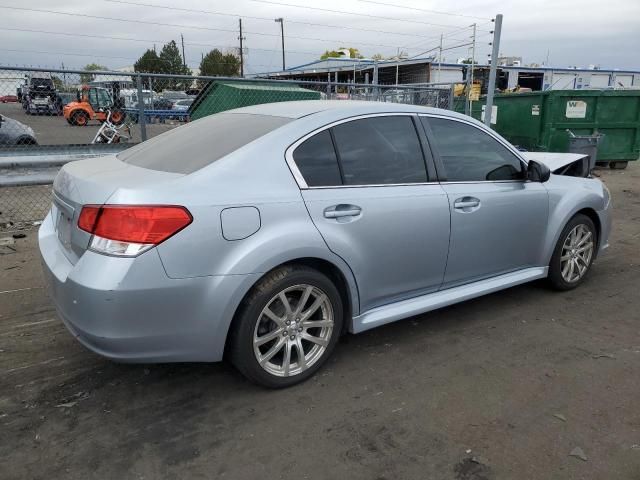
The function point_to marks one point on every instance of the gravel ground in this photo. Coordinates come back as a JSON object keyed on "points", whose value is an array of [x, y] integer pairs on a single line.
{"points": [[502, 387]]}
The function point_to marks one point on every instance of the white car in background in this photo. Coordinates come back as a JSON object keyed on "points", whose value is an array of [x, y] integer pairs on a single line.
{"points": [[182, 105]]}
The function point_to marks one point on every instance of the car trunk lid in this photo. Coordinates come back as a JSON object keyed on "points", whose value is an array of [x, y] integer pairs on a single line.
{"points": [[93, 182]]}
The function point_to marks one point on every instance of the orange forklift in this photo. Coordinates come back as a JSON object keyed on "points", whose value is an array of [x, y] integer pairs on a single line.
{"points": [[93, 103]]}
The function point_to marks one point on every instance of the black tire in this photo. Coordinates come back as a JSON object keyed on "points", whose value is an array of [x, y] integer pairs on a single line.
{"points": [[79, 119], [240, 343], [618, 165], [555, 277]]}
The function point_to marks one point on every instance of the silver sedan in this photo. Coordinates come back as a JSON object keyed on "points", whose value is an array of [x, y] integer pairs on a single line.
{"points": [[262, 234]]}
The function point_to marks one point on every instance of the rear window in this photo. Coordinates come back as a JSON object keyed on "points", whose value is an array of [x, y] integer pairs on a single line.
{"points": [[194, 146]]}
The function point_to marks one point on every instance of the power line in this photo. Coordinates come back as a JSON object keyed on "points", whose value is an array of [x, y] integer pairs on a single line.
{"points": [[73, 54], [306, 7], [437, 12], [126, 39], [212, 12], [84, 15]]}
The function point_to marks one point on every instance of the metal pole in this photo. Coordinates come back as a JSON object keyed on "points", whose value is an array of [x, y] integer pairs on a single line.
{"points": [[184, 59], [281, 22], [241, 50], [440, 59], [141, 119], [495, 51], [451, 96], [467, 109], [473, 61], [376, 91]]}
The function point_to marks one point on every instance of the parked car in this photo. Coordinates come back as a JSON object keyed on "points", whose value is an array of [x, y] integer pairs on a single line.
{"points": [[163, 104], [12, 132], [9, 99], [264, 233], [183, 105]]}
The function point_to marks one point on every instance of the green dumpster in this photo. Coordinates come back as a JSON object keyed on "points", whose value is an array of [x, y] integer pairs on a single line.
{"points": [[218, 96], [539, 121]]}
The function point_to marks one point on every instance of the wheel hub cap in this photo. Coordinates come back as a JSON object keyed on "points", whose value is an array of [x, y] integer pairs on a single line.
{"points": [[577, 253], [293, 330]]}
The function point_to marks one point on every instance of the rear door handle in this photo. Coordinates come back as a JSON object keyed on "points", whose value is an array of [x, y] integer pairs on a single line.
{"points": [[342, 210], [466, 202]]}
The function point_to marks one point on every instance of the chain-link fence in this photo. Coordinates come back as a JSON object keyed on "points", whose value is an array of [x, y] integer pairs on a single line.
{"points": [[59, 114]]}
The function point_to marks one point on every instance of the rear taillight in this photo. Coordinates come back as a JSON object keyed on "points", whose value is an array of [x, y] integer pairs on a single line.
{"points": [[129, 230]]}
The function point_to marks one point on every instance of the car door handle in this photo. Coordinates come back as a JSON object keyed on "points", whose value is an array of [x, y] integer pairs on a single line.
{"points": [[342, 210], [466, 202]]}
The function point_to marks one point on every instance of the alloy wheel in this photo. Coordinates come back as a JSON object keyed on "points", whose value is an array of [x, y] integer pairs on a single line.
{"points": [[577, 252], [293, 330]]}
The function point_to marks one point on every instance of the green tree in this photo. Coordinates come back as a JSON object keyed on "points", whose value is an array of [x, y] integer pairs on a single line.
{"points": [[353, 53], [149, 62], [216, 63], [92, 67], [171, 62]]}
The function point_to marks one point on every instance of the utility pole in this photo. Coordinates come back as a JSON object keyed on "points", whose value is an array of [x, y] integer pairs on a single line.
{"points": [[184, 59], [281, 22], [241, 38], [495, 51], [440, 59], [473, 61]]}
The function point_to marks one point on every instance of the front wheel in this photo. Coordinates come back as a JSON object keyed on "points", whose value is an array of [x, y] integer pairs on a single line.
{"points": [[287, 327], [574, 252], [80, 118]]}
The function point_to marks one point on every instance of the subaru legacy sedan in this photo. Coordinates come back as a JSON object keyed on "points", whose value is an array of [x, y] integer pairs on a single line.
{"points": [[264, 233]]}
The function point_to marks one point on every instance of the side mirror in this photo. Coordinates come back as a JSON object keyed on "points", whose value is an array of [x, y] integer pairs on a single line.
{"points": [[1, 120], [538, 172]]}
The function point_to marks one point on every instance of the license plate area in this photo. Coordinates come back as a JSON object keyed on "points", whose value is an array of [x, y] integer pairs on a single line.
{"points": [[62, 214]]}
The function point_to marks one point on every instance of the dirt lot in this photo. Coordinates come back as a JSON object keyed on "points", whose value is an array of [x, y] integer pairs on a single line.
{"points": [[54, 130], [502, 387]]}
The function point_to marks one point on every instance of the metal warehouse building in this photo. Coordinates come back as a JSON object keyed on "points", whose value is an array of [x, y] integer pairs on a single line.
{"points": [[425, 70]]}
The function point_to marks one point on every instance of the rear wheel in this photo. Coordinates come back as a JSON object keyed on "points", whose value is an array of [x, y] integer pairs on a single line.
{"points": [[80, 119], [117, 117], [287, 327], [574, 252], [618, 165]]}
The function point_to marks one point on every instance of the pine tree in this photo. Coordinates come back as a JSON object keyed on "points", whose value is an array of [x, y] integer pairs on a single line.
{"points": [[216, 63]]}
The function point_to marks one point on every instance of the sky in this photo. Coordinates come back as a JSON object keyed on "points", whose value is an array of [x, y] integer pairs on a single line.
{"points": [[558, 33]]}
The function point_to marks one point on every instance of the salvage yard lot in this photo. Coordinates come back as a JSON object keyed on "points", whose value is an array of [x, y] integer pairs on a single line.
{"points": [[501, 387], [54, 129]]}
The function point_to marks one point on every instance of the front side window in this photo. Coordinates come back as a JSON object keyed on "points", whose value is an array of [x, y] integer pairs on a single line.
{"points": [[93, 97], [316, 159], [471, 155], [104, 99], [380, 151]]}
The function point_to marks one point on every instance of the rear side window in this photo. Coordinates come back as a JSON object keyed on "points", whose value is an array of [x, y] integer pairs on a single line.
{"points": [[198, 144], [316, 159], [471, 155], [380, 151]]}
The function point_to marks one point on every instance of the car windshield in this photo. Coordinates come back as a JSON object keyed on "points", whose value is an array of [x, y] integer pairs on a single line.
{"points": [[185, 102], [194, 146]]}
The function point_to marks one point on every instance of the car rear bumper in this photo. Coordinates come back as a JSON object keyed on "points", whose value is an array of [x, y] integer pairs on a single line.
{"points": [[129, 310]]}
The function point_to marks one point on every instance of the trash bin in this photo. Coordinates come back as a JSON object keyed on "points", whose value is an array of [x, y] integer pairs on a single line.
{"points": [[538, 121], [585, 144]]}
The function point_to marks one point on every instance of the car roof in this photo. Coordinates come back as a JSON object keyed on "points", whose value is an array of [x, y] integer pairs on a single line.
{"points": [[303, 108]]}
